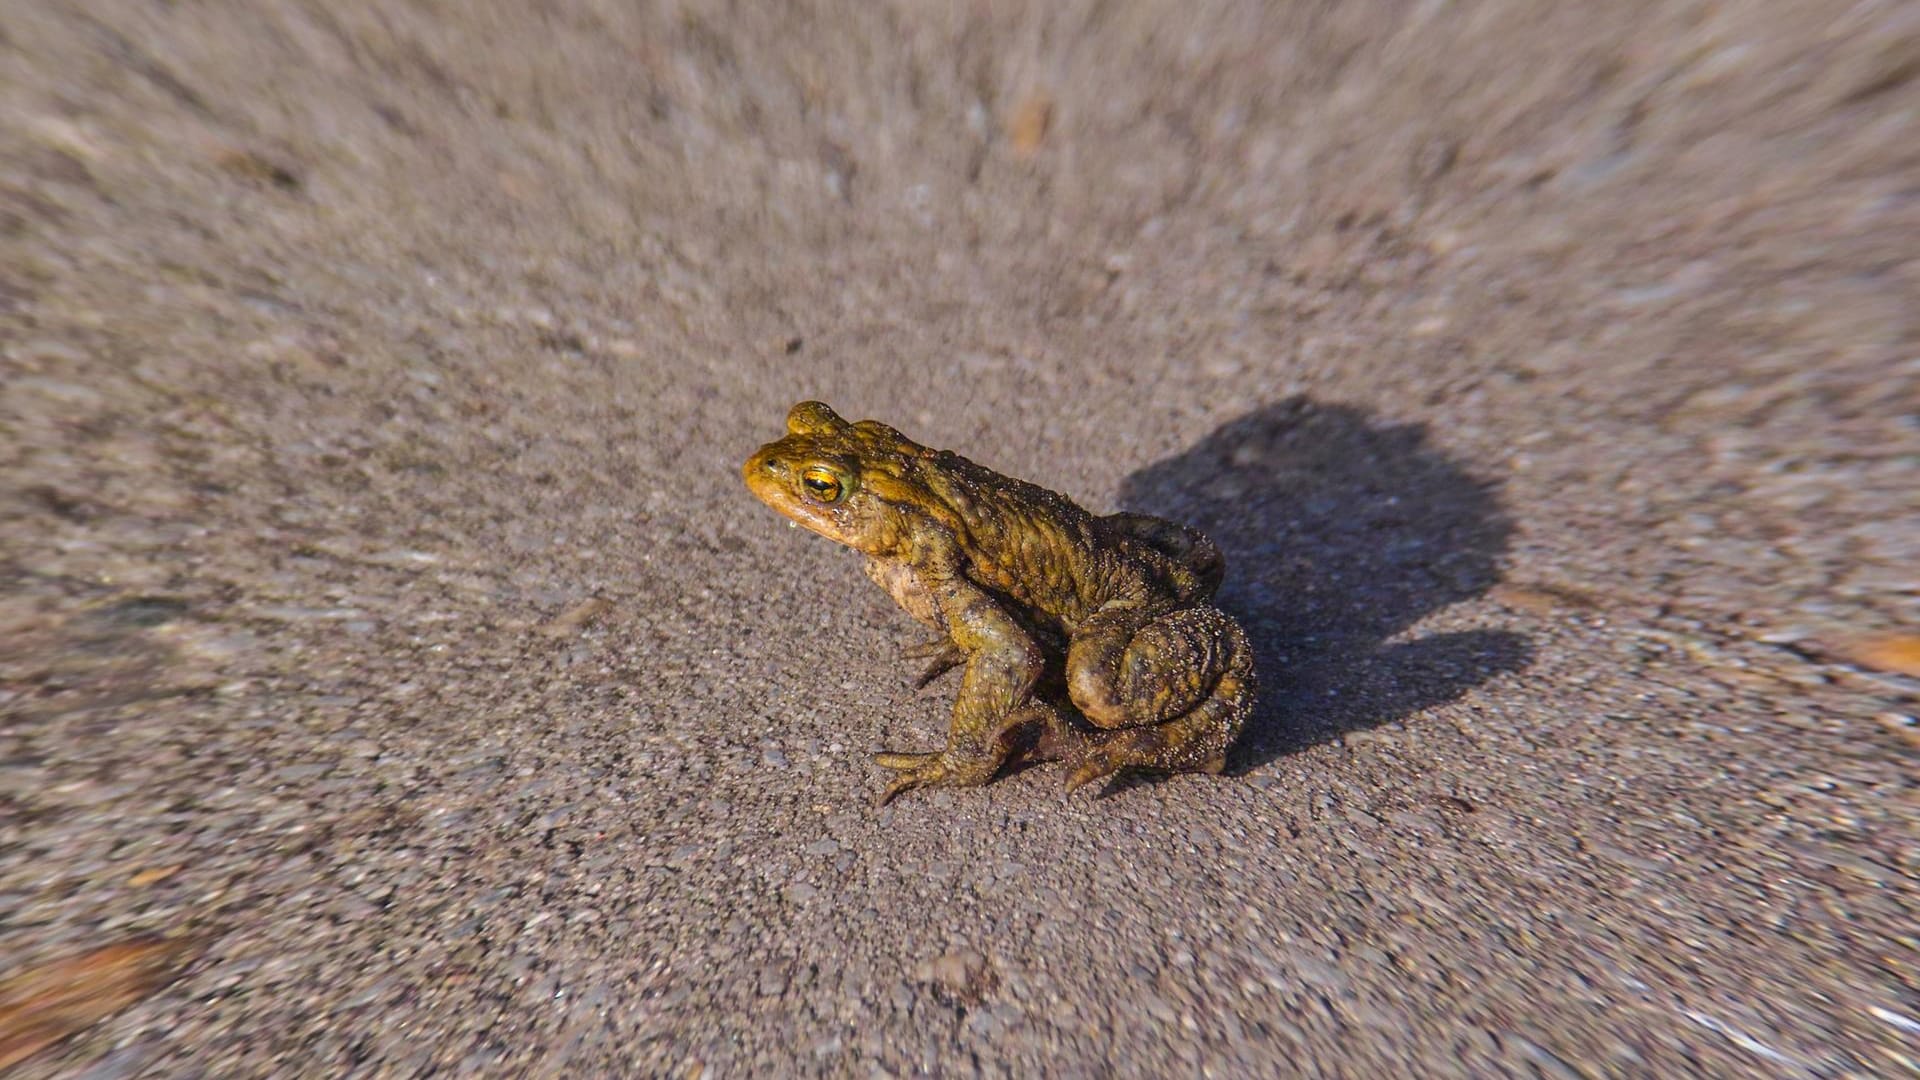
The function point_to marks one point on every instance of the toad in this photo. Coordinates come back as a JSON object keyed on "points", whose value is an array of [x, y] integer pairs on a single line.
{"points": [[1083, 637]]}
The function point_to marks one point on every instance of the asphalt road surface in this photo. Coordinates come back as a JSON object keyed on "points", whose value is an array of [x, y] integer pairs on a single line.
{"points": [[384, 625]]}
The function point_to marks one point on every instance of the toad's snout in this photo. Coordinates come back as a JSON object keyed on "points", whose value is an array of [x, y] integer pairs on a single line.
{"points": [[764, 473]]}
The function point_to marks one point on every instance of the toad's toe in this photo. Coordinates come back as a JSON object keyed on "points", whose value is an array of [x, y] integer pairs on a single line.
{"points": [[903, 760]]}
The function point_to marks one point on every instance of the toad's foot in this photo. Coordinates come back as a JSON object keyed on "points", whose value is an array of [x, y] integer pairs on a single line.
{"points": [[1035, 731], [942, 656], [1138, 748], [941, 769]]}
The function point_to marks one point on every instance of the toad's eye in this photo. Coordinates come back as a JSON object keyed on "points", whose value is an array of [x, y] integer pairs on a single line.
{"points": [[821, 484]]}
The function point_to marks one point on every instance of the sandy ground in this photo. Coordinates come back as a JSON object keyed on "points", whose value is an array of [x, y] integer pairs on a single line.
{"points": [[382, 612]]}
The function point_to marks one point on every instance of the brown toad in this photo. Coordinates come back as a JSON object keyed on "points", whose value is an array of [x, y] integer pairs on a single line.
{"points": [[1084, 637]]}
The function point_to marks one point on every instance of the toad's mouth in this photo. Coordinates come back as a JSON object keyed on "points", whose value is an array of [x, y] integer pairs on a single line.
{"points": [[798, 512], [808, 517], [815, 520]]}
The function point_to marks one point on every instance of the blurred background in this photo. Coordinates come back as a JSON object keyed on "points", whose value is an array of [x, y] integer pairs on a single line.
{"points": [[395, 676]]}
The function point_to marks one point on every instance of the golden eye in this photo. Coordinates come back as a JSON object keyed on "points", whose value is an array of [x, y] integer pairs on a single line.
{"points": [[821, 484]]}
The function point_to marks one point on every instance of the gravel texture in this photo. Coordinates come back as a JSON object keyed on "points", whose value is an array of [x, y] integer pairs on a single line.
{"points": [[381, 609]]}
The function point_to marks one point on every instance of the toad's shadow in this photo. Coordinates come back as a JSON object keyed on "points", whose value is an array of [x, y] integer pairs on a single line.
{"points": [[1340, 534]]}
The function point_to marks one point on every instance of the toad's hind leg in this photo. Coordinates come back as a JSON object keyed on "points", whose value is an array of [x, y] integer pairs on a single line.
{"points": [[1189, 547], [1172, 689]]}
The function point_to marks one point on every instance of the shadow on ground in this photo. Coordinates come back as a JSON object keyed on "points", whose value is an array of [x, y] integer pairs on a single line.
{"points": [[1340, 533]]}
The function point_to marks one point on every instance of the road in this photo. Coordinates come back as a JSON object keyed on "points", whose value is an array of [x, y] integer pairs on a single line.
{"points": [[386, 624]]}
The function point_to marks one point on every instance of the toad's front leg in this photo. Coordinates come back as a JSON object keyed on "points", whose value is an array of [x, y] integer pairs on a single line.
{"points": [[941, 656], [990, 715]]}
